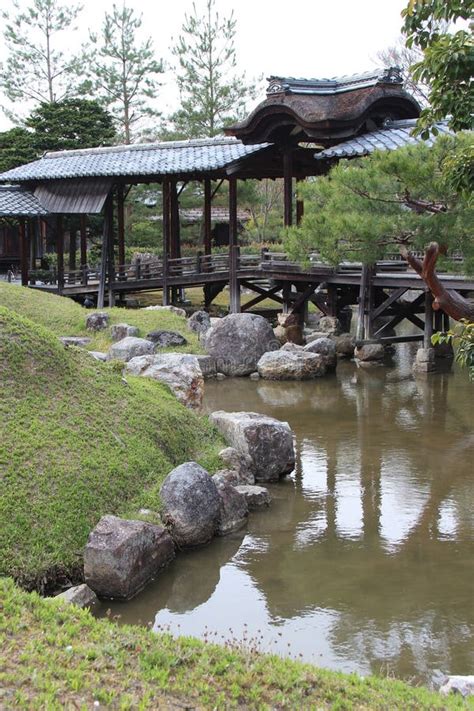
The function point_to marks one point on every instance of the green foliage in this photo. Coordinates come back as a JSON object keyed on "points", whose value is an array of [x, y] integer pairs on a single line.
{"points": [[462, 337], [448, 60], [77, 441], [35, 68], [16, 148], [59, 656], [70, 124], [123, 72], [212, 93], [370, 207]]}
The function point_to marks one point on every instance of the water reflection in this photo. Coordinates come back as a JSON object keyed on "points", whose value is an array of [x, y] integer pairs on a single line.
{"points": [[363, 562]]}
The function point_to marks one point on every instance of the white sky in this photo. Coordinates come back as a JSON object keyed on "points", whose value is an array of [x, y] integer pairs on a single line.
{"points": [[304, 38]]}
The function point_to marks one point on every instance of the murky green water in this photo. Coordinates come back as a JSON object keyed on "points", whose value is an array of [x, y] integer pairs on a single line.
{"points": [[364, 562]]}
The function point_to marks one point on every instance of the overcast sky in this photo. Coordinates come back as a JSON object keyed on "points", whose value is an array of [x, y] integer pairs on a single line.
{"points": [[304, 38]]}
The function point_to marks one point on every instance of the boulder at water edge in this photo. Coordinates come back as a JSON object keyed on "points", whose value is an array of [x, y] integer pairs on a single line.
{"points": [[179, 371], [238, 341], [191, 505], [239, 462], [166, 339], [463, 685], [208, 366], [256, 496], [122, 556], [129, 348], [234, 509], [79, 595], [329, 325], [326, 348], [122, 330], [291, 365], [370, 352], [267, 441], [345, 345]]}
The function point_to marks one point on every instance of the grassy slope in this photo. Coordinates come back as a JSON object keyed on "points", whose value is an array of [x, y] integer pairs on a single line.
{"points": [[77, 441], [65, 317], [57, 656]]}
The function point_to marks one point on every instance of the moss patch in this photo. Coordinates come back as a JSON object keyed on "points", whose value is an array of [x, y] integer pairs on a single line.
{"points": [[77, 441], [57, 656]]}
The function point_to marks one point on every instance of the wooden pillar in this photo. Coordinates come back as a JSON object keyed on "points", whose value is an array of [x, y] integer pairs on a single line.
{"points": [[109, 206], [233, 248], [60, 251], [83, 247], [104, 255], [72, 249], [288, 187], [33, 246], [362, 302], [121, 227], [428, 330], [24, 255], [299, 208], [166, 241], [369, 301], [207, 216]]}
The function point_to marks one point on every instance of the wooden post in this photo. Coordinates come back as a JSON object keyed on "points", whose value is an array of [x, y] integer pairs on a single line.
{"points": [[23, 252], [166, 230], [109, 206], [428, 331], [362, 301], [369, 301], [83, 247], [233, 248], [288, 187], [299, 209], [207, 217], [121, 228], [286, 293], [60, 251], [103, 256]]}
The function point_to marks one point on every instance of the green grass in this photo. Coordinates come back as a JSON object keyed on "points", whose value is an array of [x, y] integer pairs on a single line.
{"points": [[57, 656], [77, 441], [65, 317]]}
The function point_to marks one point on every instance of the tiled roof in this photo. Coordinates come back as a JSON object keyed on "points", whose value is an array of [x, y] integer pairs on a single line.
{"points": [[335, 85], [170, 158], [15, 201], [396, 135]]}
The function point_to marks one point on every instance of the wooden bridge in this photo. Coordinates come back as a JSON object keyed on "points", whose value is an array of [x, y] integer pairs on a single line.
{"points": [[385, 295]]}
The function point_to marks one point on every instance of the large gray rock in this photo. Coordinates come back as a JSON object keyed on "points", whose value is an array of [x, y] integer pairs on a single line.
{"points": [[98, 355], [267, 441], [191, 505], [463, 685], [122, 556], [370, 352], [122, 330], [79, 595], [179, 371], [171, 309], [239, 462], [199, 322], [234, 510], [129, 348], [345, 345], [329, 325], [289, 365], [208, 366], [326, 348], [238, 341], [256, 496], [78, 341], [97, 321], [166, 339]]}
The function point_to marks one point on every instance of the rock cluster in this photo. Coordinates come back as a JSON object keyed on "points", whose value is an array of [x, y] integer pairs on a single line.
{"points": [[199, 322], [122, 330], [97, 321], [166, 339], [130, 347], [179, 371], [291, 364]]}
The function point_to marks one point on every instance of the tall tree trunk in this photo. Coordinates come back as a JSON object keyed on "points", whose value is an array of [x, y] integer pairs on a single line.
{"points": [[452, 303]]}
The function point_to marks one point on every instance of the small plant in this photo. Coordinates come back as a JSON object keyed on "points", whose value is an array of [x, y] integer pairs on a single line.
{"points": [[462, 337]]}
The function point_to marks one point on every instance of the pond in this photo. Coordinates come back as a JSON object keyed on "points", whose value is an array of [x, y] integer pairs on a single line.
{"points": [[363, 562]]}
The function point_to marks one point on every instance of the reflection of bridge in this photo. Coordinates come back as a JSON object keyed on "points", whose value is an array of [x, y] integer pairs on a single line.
{"points": [[379, 292]]}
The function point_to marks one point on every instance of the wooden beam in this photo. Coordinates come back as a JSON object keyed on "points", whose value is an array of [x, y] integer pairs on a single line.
{"points": [[24, 252], [261, 297], [166, 238], [428, 330], [110, 247], [83, 239], [175, 246], [103, 259], [394, 296], [207, 217], [362, 302], [263, 292], [72, 244]]}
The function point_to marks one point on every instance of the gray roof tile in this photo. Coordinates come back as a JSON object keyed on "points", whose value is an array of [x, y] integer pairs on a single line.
{"points": [[15, 201], [396, 135], [170, 158]]}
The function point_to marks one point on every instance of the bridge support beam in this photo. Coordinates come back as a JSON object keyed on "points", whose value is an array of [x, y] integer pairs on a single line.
{"points": [[234, 256]]}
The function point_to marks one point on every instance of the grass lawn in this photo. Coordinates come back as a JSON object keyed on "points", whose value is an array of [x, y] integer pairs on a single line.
{"points": [[57, 656], [77, 440]]}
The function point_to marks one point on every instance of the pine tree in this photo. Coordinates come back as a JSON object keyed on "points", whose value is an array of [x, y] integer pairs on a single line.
{"points": [[35, 68], [212, 92], [124, 72]]}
